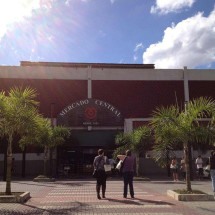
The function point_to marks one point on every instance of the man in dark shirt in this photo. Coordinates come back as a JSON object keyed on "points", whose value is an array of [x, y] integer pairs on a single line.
{"points": [[128, 170]]}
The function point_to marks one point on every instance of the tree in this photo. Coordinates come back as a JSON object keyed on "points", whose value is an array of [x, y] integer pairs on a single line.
{"points": [[137, 141], [173, 125], [122, 141], [17, 113], [46, 136]]}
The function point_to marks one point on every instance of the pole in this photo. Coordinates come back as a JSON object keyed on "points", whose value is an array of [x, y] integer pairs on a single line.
{"points": [[190, 156]]}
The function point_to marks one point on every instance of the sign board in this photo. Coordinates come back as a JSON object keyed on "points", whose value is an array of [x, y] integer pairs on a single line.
{"points": [[90, 112]]}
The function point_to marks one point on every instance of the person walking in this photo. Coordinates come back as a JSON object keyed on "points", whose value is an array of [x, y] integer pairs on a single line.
{"points": [[211, 162], [199, 166], [98, 164], [174, 168], [128, 170]]}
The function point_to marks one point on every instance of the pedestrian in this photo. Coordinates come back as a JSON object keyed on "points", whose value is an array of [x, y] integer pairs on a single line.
{"points": [[199, 166], [211, 162], [174, 168], [183, 169], [98, 164], [128, 170]]}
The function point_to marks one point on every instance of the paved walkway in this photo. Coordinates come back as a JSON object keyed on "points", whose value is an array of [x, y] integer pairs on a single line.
{"points": [[78, 197]]}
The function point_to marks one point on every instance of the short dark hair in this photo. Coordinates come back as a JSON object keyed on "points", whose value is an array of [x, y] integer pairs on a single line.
{"points": [[100, 151], [128, 153]]}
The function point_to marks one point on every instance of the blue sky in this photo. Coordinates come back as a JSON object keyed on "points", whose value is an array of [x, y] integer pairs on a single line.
{"points": [[167, 33]]}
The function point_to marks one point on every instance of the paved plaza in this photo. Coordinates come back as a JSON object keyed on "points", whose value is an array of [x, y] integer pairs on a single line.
{"points": [[79, 197]]}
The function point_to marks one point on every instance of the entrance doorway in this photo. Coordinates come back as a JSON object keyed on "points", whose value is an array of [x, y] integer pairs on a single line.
{"points": [[76, 156]]}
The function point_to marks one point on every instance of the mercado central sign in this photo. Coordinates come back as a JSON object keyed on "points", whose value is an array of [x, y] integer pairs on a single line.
{"points": [[89, 112]]}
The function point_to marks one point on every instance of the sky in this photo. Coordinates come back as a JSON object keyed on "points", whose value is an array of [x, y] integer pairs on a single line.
{"points": [[167, 33]]}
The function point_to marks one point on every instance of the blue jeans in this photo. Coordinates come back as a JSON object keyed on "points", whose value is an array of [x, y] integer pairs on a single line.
{"points": [[213, 178], [128, 180]]}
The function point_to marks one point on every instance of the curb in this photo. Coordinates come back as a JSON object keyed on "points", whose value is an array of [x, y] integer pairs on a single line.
{"points": [[190, 197]]}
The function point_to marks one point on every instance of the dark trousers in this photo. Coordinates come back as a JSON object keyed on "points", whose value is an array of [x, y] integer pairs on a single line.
{"points": [[101, 182], [200, 172], [128, 181]]}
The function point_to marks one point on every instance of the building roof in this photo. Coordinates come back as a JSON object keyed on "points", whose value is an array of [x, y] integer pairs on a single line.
{"points": [[85, 65]]}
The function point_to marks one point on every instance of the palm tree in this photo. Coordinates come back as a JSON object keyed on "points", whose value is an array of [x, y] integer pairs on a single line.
{"points": [[57, 136], [141, 140], [46, 136], [137, 141], [172, 125], [122, 141], [17, 112]]}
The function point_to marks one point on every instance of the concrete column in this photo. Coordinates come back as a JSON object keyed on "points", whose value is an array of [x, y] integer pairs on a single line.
{"points": [[128, 125], [89, 82], [186, 85], [89, 88]]}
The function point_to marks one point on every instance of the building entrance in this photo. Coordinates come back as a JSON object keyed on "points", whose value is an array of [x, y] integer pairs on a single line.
{"points": [[76, 156]]}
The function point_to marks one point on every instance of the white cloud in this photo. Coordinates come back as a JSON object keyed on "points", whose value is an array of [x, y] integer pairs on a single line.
{"points": [[189, 43], [14, 11], [137, 50], [168, 6], [138, 46], [69, 2]]}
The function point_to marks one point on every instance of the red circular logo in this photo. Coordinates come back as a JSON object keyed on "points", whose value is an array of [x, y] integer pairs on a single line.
{"points": [[90, 112]]}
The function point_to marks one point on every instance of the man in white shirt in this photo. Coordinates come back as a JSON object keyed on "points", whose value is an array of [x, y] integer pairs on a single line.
{"points": [[199, 166]]}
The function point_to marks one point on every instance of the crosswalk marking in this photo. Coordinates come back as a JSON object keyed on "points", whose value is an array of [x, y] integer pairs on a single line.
{"points": [[86, 209], [107, 206], [103, 206], [73, 197], [93, 193]]}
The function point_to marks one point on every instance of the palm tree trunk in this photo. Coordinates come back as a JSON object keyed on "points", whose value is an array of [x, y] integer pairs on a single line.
{"points": [[137, 164], [23, 162], [5, 162], [51, 162], [45, 161], [9, 166], [168, 163], [187, 166]]}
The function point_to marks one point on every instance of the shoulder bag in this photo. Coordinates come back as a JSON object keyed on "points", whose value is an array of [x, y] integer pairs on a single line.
{"points": [[208, 167], [120, 165]]}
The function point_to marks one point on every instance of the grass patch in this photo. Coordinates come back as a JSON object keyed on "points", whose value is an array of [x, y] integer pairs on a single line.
{"points": [[183, 191]]}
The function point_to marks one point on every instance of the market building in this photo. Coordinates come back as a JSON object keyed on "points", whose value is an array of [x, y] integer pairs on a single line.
{"points": [[97, 101]]}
